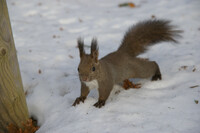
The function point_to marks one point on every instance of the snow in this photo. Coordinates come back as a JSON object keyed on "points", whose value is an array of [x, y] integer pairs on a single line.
{"points": [[45, 34]]}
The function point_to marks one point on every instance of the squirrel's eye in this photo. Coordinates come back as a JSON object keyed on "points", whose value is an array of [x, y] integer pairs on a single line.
{"points": [[78, 69], [93, 69]]}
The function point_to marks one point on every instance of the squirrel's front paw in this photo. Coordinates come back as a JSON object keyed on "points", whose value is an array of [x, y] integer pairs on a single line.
{"points": [[78, 100], [100, 103]]}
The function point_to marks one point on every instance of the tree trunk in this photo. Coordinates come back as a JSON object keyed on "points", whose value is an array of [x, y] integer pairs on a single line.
{"points": [[13, 108]]}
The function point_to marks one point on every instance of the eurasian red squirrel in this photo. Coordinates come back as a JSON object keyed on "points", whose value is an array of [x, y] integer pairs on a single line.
{"points": [[123, 63]]}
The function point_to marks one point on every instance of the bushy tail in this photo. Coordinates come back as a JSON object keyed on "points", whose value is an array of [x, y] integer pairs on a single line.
{"points": [[147, 33]]}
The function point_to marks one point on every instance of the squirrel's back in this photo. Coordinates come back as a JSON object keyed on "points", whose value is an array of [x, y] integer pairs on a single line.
{"points": [[145, 34]]}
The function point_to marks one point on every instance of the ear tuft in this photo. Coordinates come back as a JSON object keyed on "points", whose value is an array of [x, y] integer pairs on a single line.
{"points": [[81, 46], [94, 46], [94, 49]]}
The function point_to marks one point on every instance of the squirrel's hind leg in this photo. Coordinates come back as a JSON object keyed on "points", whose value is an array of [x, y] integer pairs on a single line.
{"points": [[157, 75]]}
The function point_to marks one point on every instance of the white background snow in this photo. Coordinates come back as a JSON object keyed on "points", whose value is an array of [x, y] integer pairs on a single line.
{"points": [[45, 33]]}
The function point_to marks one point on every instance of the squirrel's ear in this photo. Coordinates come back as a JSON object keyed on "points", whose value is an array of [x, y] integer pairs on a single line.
{"points": [[81, 47], [94, 49]]}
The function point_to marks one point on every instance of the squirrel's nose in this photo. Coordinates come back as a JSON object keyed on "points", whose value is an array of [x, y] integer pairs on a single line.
{"points": [[84, 78]]}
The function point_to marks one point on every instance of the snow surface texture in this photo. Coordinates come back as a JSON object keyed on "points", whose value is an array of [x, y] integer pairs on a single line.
{"points": [[45, 33]]}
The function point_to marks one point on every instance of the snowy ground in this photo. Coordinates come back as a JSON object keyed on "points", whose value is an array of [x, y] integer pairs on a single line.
{"points": [[45, 33]]}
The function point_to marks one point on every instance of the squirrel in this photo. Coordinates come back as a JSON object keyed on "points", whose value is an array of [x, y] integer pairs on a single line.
{"points": [[122, 64]]}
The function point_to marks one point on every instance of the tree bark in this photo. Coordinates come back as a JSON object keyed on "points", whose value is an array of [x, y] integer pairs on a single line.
{"points": [[13, 107]]}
